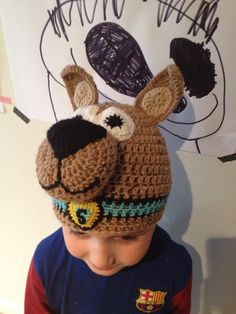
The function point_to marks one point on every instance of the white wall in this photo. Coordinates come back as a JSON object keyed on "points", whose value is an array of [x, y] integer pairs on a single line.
{"points": [[200, 214], [25, 215]]}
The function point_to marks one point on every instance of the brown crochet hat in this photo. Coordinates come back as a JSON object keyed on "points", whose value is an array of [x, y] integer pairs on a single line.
{"points": [[107, 168]]}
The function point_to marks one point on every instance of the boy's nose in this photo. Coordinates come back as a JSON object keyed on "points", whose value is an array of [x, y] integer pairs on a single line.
{"points": [[102, 255]]}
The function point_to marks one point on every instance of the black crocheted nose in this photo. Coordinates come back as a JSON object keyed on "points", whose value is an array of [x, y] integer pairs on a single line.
{"points": [[68, 136]]}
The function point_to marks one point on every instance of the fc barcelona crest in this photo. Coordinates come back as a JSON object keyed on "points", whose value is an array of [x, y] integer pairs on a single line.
{"points": [[150, 301]]}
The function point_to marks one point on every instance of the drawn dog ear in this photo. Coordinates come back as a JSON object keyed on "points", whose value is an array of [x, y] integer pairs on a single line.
{"points": [[160, 97], [80, 86]]}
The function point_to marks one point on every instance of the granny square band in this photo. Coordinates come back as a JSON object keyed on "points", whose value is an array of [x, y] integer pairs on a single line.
{"points": [[87, 215]]}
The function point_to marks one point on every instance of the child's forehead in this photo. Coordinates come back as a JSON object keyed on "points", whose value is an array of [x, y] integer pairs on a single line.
{"points": [[110, 234], [116, 234]]}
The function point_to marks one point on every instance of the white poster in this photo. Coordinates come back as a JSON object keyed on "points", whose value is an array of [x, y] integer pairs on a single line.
{"points": [[122, 44]]}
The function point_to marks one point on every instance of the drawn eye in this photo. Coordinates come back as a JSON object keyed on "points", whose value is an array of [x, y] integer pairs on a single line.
{"points": [[117, 122], [181, 105], [86, 112]]}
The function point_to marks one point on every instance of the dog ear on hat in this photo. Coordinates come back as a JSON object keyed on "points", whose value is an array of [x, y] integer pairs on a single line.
{"points": [[80, 86], [162, 94]]}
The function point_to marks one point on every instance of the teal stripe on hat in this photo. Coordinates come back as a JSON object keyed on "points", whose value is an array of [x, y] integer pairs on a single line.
{"points": [[61, 205], [122, 209], [133, 209]]}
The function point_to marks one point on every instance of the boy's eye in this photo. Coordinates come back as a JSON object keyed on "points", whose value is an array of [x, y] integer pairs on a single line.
{"points": [[78, 234], [129, 238]]}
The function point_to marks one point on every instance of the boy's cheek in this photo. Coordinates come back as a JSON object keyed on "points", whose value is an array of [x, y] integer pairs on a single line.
{"points": [[75, 249], [74, 246], [134, 255]]}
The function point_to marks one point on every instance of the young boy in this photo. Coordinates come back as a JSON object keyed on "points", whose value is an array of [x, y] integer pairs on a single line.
{"points": [[108, 172]]}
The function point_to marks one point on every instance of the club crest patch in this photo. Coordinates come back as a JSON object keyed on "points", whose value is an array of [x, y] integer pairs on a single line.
{"points": [[150, 301], [85, 215]]}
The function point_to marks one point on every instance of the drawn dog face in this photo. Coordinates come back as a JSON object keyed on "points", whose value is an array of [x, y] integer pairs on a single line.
{"points": [[106, 39], [109, 152]]}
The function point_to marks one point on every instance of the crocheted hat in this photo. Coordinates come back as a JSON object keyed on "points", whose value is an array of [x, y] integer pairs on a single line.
{"points": [[107, 167]]}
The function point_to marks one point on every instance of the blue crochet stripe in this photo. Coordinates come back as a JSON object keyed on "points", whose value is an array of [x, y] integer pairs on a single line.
{"points": [[133, 210], [61, 205], [116, 209]]}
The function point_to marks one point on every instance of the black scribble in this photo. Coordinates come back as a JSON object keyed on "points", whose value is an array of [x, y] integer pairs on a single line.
{"points": [[197, 145], [166, 8], [60, 20], [204, 19], [117, 58], [205, 12], [72, 56], [50, 95], [115, 8], [195, 65], [83, 8]]}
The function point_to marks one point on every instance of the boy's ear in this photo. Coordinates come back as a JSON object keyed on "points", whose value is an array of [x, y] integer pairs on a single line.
{"points": [[80, 86], [160, 97]]}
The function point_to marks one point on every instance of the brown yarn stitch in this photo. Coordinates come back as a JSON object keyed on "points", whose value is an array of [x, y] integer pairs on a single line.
{"points": [[80, 85], [115, 225], [107, 168], [167, 88]]}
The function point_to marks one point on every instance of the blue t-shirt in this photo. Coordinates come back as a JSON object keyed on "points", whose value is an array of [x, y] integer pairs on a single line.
{"points": [[159, 283]]}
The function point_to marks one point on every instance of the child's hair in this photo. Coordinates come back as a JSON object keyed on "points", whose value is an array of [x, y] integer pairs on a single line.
{"points": [[107, 168]]}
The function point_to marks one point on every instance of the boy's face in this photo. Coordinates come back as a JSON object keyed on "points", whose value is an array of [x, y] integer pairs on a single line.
{"points": [[106, 253]]}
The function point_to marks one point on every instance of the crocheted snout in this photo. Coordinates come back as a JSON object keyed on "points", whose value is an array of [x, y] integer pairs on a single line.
{"points": [[76, 160]]}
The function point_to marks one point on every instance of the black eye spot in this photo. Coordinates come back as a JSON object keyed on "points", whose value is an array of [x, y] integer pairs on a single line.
{"points": [[194, 62], [181, 105], [114, 121]]}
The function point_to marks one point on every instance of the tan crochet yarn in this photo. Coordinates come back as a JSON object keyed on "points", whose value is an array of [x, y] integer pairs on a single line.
{"points": [[78, 83], [107, 168]]}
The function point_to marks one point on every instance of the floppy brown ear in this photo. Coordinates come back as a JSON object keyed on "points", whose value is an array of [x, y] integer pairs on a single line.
{"points": [[80, 86], [160, 97]]}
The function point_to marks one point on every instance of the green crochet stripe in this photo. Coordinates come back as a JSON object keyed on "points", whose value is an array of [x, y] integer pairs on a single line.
{"points": [[133, 210], [113, 209]]}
